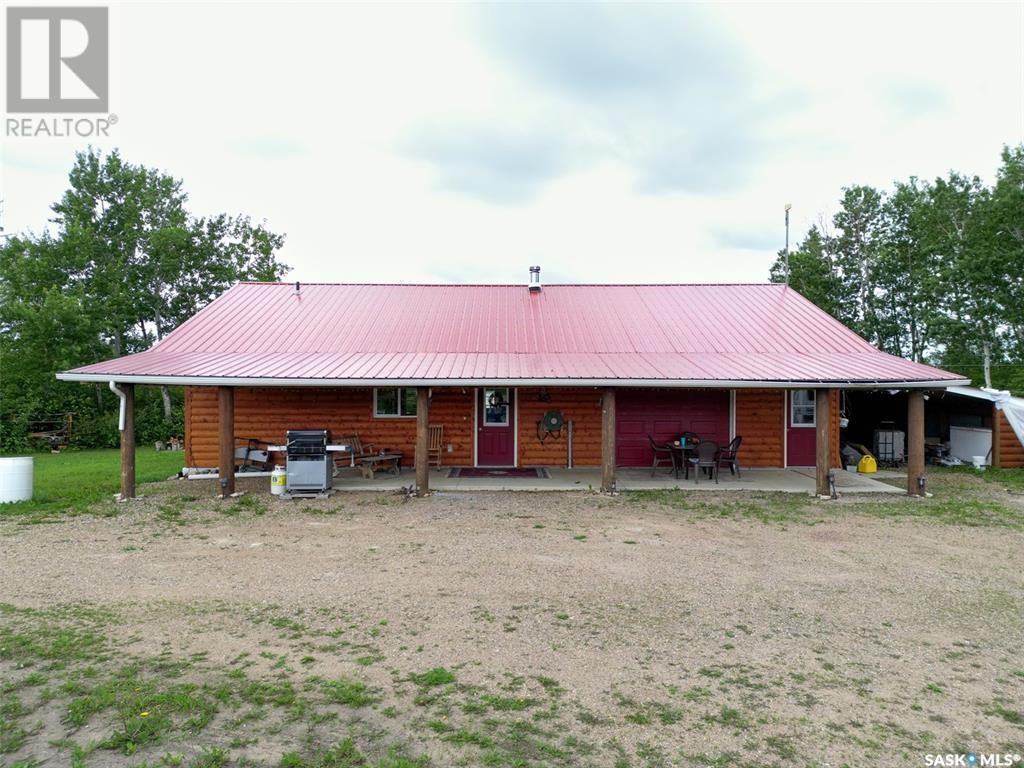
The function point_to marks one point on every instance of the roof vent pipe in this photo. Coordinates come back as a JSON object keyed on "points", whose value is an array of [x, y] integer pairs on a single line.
{"points": [[534, 278], [298, 288]]}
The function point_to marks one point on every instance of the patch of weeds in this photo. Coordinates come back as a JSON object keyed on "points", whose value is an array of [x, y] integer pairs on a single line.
{"points": [[1009, 715], [782, 746], [580, 537], [935, 688], [432, 678], [638, 717], [728, 717], [247, 503], [508, 703], [345, 754], [280, 693], [697, 693], [170, 513], [351, 693], [482, 614], [629, 541], [467, 736], [550, 685], [211, 757]]}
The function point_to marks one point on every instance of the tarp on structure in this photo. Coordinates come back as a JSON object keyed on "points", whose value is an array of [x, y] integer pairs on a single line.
{"points": [[1012, 407]]}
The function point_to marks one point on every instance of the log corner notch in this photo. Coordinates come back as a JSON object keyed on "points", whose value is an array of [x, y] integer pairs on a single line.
{"points": [[608, 440], [226, 442], [915, 443], [422, 457], [823, 442], [127, 428]]}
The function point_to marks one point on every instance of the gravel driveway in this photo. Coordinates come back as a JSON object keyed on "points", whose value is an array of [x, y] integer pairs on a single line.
{"points": [[650, 634]]}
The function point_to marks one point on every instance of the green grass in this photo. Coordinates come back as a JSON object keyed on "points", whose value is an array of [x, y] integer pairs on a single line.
{"points": [[961, 496], [73, 481]]}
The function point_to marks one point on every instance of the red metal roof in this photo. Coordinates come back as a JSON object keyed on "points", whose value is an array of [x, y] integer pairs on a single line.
{"points": [[657, 334]]}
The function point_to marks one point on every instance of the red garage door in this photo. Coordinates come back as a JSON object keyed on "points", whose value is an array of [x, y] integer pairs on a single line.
{"points": [[665, 414]]}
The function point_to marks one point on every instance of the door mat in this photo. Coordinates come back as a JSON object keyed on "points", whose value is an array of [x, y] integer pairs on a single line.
{"points": [[533, 473]]}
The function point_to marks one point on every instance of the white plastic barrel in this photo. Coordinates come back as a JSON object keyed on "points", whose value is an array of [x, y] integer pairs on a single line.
{"points": [[278, 480], [15, 478]]}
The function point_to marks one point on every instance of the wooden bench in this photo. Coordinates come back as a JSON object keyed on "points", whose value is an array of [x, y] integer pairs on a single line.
{"points": [[390, 462]]}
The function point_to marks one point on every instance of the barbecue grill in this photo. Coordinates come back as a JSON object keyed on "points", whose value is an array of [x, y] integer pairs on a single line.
{"points": [[309, 467]]}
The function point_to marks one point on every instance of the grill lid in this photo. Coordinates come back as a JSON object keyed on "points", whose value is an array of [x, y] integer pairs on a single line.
{"points": [[308, 441]]}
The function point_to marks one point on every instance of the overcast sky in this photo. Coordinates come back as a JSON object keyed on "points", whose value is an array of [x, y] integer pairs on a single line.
{"points": [[606, 143]]}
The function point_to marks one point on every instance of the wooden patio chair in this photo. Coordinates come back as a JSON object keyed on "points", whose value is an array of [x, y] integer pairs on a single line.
{"points": [[729, 456], [662, 453], [359, 451], [706, 458], [435, 440]]}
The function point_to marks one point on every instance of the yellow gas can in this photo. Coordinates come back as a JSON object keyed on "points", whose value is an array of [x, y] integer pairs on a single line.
{"points": [[867, 465]]}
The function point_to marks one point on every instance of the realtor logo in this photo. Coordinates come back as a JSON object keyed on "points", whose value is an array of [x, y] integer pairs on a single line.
{"points": [[57, 60]]}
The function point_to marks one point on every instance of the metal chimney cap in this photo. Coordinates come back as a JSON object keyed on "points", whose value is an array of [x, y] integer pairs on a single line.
{"points": [[535, 278]]}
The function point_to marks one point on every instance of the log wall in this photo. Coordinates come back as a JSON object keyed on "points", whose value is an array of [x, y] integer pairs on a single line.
{"points": [[760, 421], [267, 413], [582, 405], [1010, 453]]}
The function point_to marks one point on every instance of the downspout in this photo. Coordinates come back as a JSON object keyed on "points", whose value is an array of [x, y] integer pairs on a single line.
{"points": [[122, 396]]}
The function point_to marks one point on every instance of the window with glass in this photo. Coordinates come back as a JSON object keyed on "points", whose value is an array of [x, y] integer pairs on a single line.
{"points": [[802, 407], [496, 407], [394, 402]]}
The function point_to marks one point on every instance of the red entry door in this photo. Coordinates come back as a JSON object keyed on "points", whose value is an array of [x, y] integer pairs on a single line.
{"points": [[496, 427], [801, 435]]}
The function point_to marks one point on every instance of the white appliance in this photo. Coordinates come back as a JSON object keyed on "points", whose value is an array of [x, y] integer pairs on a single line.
{"points": [[967, 442]]}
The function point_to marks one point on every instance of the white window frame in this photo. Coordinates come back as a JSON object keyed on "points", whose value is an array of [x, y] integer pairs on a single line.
{"points": [[508, 409], [813, 404], [399, 415]]}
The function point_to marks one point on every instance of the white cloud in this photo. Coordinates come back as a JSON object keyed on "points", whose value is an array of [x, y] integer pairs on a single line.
{"points": [[614, 143]]}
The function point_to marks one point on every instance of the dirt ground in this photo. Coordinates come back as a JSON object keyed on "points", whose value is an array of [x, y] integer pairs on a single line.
{"points": [[598, 631]]}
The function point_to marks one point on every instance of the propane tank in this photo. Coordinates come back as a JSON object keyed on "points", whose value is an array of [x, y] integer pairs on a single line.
{"points": [[278, 480]]}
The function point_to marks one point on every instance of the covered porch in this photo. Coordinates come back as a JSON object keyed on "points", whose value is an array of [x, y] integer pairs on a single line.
{"points": [[606, 474], [800, 480]]}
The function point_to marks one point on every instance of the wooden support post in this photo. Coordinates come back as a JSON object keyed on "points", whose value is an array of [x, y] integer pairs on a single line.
{"points": [[915, 442], [823, 443], [608, 440], [226, 422], [422, 443], [128, 443]]}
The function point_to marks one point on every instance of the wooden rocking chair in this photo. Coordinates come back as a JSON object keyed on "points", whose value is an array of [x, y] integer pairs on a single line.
{"points": [[435, 444]]}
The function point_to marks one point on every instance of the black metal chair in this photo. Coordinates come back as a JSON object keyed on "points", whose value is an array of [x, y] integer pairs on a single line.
{"points": [[706, 458], [729, 456], [661, 454]]}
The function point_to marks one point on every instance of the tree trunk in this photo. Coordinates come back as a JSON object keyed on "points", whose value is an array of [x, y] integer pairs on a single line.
{"points": [[986, 361], [165, 393]]}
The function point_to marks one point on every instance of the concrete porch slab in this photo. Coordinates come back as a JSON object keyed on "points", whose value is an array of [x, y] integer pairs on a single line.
{"points": [[628, 479]]}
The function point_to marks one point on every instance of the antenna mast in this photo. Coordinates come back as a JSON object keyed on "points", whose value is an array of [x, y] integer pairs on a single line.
{"points": [[788, 206]]}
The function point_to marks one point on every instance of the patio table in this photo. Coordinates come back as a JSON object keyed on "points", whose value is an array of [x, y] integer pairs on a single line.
{"points": [[683, 452]]}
